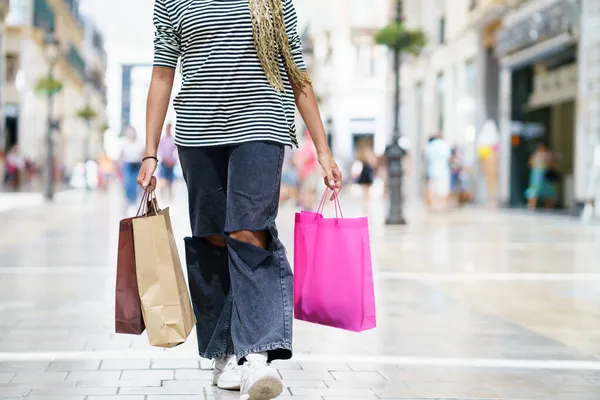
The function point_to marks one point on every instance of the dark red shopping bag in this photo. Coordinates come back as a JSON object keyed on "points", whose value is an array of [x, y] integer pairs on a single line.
{"points": [[128, 309]]}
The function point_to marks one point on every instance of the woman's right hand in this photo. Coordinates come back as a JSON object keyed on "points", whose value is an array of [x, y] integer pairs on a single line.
{"points": [[146, 177]]}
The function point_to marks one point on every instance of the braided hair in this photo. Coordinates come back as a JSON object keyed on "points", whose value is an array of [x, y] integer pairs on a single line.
{"points": [[271, 40]]}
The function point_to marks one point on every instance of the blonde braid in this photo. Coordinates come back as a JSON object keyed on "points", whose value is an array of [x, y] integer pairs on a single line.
{"points": [[271, 40]]}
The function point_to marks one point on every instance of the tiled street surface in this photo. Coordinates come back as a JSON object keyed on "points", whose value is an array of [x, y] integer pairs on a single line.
{"points": [[471, 305]]}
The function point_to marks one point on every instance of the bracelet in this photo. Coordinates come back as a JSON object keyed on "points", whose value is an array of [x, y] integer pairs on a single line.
{"points": [[150, 157]]}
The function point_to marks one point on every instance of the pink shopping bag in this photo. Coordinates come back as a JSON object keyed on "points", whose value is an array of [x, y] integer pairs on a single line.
{"points": [[333, 275]]}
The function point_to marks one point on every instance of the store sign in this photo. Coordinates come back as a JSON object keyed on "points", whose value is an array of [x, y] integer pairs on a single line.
{"points": [[541, 25], [555, 86]]}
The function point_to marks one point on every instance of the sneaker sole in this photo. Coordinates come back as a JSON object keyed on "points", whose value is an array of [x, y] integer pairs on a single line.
{"points": [[266, 388], [228, 385]]}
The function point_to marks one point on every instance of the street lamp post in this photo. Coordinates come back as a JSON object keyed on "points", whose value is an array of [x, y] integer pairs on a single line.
{"points": [[52, 52], [394, 153]]}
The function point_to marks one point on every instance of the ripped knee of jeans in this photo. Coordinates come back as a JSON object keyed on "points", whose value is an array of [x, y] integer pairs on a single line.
{"points": [[254, 246], [215, 240], [260, 239]]}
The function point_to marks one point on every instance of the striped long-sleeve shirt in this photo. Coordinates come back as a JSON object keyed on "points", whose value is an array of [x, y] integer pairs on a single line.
{"points": [[225, 97]]}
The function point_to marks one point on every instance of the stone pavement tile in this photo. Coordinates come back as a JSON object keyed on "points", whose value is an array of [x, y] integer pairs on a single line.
{"points": [[5, 377], [567, 380], [120, 383], [179, 397], [194, 384], [329, 366], [13, 391], [37, 377], [401, 391], [523, 394], [59, 392], [373, 367], [358, 376], [294, 383], [356, 384], [574, 396], [287, 398], [15, 366], [83, 365], [480, 394], [338, 392], [150, 374], [162, 390], [450, 387], [51, 397], [92, 376], [306, 375], [124, 364], [193, 374], [417, 374], [116, 397], [174, 364], [286, 365]]}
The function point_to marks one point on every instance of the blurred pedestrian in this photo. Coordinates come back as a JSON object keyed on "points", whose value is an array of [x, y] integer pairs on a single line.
{"points": [[167, 154], [131, 153], [438, 173], [289, 180], [541, 175], [244, 74], [308, 172], [365, 171], [15, 167], [456, 170], [106, 170]]}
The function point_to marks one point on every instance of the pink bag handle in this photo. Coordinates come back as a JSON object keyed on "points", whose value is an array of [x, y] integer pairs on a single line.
{"points": [[337, 204]]}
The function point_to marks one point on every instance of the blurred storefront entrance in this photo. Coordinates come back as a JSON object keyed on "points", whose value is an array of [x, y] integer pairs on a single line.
{"points": [[537, 47], [543, 108]]}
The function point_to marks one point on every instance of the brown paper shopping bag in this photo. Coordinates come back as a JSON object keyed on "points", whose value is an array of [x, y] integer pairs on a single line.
{"points": [[163, 291]]}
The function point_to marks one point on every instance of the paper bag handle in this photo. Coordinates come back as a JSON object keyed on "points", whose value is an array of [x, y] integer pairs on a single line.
{"points": [[149, 197]]}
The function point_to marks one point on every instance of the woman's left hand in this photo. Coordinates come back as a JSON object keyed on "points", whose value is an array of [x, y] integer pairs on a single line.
{"points": [[333, 175]]}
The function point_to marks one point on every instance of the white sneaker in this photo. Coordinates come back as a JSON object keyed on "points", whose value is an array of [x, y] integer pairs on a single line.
{"points": [[227, 374], [259, 380]]}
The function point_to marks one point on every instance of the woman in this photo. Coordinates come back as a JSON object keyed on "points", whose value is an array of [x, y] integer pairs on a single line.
{"points": [[131, 153], [366, 172], [438, 173], [541, 162], [242, 70]]}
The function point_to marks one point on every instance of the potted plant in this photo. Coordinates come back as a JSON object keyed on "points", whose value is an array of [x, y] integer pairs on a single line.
{"points": [[87, 114], [397, 37], [48, 85]]}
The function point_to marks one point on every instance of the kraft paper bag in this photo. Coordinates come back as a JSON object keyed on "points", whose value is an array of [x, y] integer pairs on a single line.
{"points": [[164, 295]]}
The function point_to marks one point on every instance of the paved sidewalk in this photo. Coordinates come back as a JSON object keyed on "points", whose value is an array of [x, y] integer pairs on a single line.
{"points": [[471, 305]]}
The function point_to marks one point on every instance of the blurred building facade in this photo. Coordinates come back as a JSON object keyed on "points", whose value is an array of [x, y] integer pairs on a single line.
{"points": [[350, 73], [25, 110], [95, 91], [452, 86], [518, 63]]}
